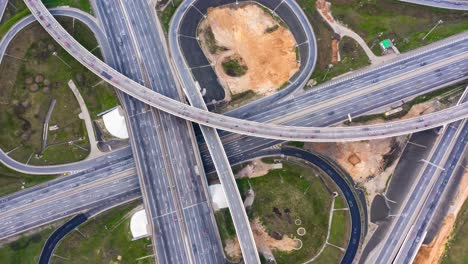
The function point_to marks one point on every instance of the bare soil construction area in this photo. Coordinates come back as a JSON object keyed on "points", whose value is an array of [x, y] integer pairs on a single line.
{"points": [[370, 163], [250, 48]]}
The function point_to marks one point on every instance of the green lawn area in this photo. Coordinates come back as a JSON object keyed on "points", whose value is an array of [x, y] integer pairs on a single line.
{"points": [[11, 181], [284, 195], [27, 249], [455, 251], [352, 57], [16, 9], [340, 202], [296, 144], [233, 67], [406, 24], [330, 255], [225, 224], [106, 237], [23, 110], [84, 5], [167, 14], [340, 230]]}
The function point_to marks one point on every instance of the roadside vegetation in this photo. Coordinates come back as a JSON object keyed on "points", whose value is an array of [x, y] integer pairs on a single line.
{"points": [[166, 15], [329, 255], [455, 250], [12, 181], [84, 5], [105, 239], [240, 99], [210, 40], [27, 249], [234, 66], [225, 224], [353, 57], [285, 195], [440, 93], [16, 10], [406, 24], [340, 229], [41, 70]]}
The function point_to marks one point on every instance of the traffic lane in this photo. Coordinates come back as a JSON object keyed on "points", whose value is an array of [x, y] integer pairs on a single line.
{"points": [[185, 172], [58, 234], [89, 192], [419, 58], [320, 95], [206, 245], [63, 184], [334, 115], [416, 195], [373, 100], [446, 4], [165, 205], [55, 210], [353, 243], [408, 251]]}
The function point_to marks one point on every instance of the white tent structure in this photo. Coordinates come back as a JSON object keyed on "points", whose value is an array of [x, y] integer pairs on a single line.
{"points": [[138, 224], [114, 121], [218, 196]]}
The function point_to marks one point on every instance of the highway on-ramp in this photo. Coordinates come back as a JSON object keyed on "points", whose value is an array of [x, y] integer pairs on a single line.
{"points": [[311, 134]]}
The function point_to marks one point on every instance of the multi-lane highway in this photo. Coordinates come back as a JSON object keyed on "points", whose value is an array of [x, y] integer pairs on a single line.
{"points": [[408, 230], [418, 230], [60, 194], [174, 188], [108, 185], [228, 182], [446, 4], [297, 130], [174, 107], [452, 139]]}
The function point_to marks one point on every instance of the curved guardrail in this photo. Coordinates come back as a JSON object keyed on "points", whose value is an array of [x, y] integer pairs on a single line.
{"points": [[299, 79], [309, 134]]}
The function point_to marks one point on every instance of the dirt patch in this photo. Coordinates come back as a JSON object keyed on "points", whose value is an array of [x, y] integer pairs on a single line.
{"points": [[254, 35], [370, 163], [232, 249], [257, 168], [265, 243], [432, 253]]}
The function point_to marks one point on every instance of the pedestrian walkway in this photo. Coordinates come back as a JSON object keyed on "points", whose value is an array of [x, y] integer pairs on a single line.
{"points": [[94, 150], [324, 11]]}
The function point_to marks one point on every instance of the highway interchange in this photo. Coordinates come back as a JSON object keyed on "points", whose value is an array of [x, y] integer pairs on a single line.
{"points": [[459, 62], [246, 127]]}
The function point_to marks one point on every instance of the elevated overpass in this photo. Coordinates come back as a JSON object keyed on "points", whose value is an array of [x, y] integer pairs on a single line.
{"points": [[461, 5], [308, 134]]}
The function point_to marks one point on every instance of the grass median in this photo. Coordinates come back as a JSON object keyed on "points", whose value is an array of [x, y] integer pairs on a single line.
{"points": [[105, 239]]}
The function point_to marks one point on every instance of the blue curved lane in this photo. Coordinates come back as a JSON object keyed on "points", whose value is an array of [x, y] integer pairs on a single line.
{"points": [[336, 176], [184, 25], [57, 235]]}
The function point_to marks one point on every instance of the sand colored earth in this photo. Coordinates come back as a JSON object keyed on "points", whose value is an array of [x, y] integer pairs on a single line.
{"points": [[267, 48], [363, 160], [432, 253], [360, 160], [265, 243], [257, 168]]}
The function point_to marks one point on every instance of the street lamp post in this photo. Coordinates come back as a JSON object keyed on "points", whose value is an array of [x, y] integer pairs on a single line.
{"points": [[432, 29], [56, 55]]}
